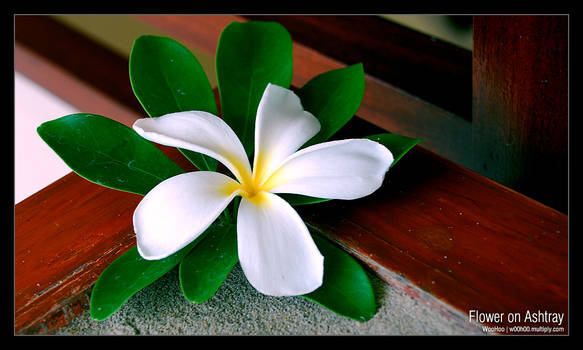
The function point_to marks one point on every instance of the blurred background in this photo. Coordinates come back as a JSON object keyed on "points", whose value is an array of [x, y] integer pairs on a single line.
{"points": [[36, 166]]}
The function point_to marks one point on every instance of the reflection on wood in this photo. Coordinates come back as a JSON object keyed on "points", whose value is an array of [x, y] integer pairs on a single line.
{"points": [[435, 229]]}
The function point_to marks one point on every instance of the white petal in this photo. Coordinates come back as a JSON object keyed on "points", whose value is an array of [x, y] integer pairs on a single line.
{"points": [[346, 169], [276, 251], [178, 210], [200, 132], [281, 128]]}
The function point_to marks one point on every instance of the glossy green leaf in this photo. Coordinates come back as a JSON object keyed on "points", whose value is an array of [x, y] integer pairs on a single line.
{"points": [[108, 153], [333, 97], [249, 56], [166, 78], [127, 275], [346, 288], [205, 268], [399, 145]]}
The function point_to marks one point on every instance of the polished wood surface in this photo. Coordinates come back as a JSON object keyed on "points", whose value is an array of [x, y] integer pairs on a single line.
{"points": [[391, 53], [384, 104], [521, 104], [435, 230]]}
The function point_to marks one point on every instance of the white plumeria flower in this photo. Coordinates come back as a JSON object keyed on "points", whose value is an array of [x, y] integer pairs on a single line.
{"points": [[276, 251]]}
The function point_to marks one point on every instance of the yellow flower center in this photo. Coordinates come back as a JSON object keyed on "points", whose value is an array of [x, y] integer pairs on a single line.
{"points": [[249, 189], [249, 185], [254, 186]]}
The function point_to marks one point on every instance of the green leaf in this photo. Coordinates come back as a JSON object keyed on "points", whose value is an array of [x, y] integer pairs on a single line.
{"points": [[127, 275], [108, 153], [346, 288], [333, 97], [299, 199], [399, 145], [166, 78], [249, 56], [201, 161], [205, 268]]}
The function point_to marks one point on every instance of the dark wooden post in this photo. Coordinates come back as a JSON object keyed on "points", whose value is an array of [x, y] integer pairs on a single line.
{"points": [[520, 104]]}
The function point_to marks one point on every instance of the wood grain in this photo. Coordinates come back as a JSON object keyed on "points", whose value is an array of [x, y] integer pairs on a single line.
{"points": [[441, 233], [64, 236], [70, 88], [72, 51], [520, 127], [426, 67], [384, 104], [466, 239]]}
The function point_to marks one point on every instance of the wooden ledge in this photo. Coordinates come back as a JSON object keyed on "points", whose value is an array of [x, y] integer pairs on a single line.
{"points": [[436, 230], [384, 105]]}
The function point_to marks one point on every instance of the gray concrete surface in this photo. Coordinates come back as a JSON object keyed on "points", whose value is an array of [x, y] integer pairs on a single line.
{"points": [[238, 309]]}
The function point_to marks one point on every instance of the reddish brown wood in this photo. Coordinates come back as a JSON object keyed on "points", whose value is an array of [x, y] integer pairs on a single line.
{"points": [[65, 235], [71, 51], [466, 240], [383, 104], [520, 121], [434, 229], [454, 233], [433, 70], [62, 236], [70, 88]]}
